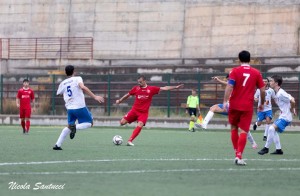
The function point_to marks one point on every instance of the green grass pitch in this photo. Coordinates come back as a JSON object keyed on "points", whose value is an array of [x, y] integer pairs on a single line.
{"points": [[162, 162]]}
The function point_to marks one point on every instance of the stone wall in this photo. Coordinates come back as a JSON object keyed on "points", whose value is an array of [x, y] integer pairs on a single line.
{"points": [[154, 29]]}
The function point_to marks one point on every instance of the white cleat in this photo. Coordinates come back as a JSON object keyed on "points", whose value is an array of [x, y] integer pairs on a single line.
{"points": [[240, 162], [130, 144], [254, 145]]}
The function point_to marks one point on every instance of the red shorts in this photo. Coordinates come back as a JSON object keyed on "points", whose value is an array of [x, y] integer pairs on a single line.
{"points": [[25, 113], [241, 119], [134, 115]]}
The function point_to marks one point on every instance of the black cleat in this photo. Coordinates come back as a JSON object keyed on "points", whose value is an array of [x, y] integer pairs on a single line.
{"points": [[193, 130], [263, 151], [277, 152], [73, 131], [265, 138], [254, 127], [57, 148]]}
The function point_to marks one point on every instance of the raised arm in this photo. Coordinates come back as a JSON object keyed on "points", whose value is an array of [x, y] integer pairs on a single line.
{"points": [[167, 88], [90, 93], [219, 80]]}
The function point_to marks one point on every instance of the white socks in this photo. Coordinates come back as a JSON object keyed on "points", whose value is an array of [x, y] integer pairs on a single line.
{"points": [[277, 141], [270, 137], [83, 126], [66, 131], [250, 138], [266, 129], [208, 117], [273, 137]]}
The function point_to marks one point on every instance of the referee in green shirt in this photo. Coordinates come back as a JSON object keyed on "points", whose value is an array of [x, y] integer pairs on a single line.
{"points": [[192, 105]]}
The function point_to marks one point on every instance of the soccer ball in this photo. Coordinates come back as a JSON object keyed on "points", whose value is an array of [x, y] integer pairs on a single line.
{"points": [[117, 140]]}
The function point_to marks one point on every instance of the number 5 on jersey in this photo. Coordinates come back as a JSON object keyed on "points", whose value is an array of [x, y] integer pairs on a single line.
{"points": [[69, 91]]}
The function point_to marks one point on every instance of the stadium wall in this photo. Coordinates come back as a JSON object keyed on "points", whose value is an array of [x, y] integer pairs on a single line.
{"points": [[154, 29]]}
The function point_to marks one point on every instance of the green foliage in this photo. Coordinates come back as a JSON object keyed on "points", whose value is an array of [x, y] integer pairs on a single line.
{"points": [[10, 107]]}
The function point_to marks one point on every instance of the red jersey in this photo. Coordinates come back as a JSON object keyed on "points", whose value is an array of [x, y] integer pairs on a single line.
{"points": [[25, 97], [143, 97], [245, 79]]}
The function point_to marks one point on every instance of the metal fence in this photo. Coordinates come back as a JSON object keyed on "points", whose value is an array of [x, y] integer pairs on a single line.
{"points": [[47, 48], [112, 87]]}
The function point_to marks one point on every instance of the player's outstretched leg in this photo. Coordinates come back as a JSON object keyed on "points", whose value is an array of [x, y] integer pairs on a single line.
{"points": [[252, 141], [134, 134]]}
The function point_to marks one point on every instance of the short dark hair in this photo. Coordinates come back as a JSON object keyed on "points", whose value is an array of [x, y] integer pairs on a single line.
{"points": [[244, 56], [69, 70], [25, 80], [277, 79], [267, 79], [142, 76]]}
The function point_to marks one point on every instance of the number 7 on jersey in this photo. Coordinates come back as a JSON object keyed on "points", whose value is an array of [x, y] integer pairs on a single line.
{"points": [[246, 75]]}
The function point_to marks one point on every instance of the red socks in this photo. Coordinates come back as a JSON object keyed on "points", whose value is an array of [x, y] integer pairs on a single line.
{"points": [[241, 144], [234, 139], [238, 142], [135, 133], [27, 125], [23, 124]]}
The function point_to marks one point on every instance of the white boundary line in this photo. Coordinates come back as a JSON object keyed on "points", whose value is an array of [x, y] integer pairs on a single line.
{"points": [[240, 169], [136, 160]]}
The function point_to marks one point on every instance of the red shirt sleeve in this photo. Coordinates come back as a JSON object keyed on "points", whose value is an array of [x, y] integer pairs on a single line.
{"points": [[155, 90], [133, 90], [19, 94]]}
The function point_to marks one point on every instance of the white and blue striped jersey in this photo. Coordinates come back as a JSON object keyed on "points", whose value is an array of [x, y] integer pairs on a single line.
{"points": [[73, 94], [270, 94]]}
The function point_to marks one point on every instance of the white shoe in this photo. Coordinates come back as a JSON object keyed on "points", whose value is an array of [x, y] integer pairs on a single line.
{"points": [[238, 161], [204, 126], [130, 144], [254, 146]]}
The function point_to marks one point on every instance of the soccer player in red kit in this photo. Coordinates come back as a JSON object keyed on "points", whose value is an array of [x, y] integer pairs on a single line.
{"points": [[23, 100], [240, 89], [140, 109]]}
